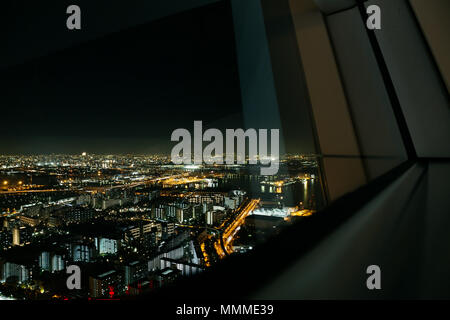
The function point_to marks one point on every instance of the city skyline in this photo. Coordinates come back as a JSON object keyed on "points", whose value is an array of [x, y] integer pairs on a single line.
{"points": [[127, 221]]}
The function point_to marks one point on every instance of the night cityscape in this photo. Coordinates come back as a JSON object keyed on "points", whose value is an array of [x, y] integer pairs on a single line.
{"points": [[223, 158], [136, 223]]}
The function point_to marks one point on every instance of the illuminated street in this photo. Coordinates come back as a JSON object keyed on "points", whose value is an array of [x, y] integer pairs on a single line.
{"points": [[231, 230]]}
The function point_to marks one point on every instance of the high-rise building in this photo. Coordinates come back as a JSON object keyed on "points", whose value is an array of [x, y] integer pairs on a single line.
{"points": [[6, 239], [44, 261], [57, 263], [83, 252], [106, 246], [16, 236], [16, 272], [135, 271], [106, 284]]}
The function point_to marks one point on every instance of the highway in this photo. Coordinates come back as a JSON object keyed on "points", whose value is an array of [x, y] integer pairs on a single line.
{"points": [[223, 245], [102, 189], [31, 191]]}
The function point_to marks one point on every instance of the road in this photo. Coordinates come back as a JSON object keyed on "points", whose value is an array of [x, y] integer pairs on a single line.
{"points": [[223, 245], [32, 191], [98, 189]]}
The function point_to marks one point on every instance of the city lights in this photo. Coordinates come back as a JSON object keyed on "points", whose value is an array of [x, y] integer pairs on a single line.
{"points": [[139, 215]]}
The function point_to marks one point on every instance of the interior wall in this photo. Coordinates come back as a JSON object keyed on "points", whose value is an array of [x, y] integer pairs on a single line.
{"points": [[421, 92]]}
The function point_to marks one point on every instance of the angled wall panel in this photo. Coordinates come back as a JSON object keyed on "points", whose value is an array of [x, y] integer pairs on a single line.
{"points": [[342, 167], [376, 128], [422, 94]]}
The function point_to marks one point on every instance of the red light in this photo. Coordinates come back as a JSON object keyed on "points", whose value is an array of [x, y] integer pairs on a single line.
{"points": [[111, 291]]}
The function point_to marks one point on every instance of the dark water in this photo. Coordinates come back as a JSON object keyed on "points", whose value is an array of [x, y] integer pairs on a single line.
{"points": [[307, 194]]}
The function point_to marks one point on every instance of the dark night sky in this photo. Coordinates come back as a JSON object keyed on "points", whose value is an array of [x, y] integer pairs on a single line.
{"points": [[136, 72], [127, 91]]}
